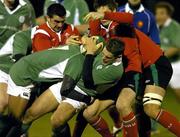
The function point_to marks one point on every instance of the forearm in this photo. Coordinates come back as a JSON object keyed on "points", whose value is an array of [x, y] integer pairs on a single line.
{"points": [[119, 17]]}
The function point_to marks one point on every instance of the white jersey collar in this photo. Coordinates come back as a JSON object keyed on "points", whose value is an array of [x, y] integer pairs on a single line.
{"points": [[129, 10], [168, 22]]}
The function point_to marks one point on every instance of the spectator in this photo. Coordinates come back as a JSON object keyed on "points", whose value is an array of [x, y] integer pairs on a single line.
{"points": [[55, 31], [143, 19], [15, 15], [170, 42]]}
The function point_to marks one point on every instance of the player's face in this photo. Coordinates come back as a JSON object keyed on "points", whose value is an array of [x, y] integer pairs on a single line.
{"points": [[161, 16], [104, 9], [56, 23], [134, 2], [107, 57]]}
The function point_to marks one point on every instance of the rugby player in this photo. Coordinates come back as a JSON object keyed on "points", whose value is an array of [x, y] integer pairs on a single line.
{"points": [[55, 31], [37, 69], [157, 72], [102, 68], [17, 46], [15, 15]]}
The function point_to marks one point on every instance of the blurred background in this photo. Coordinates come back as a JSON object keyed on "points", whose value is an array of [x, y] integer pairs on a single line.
{"points": [[149, 4]]}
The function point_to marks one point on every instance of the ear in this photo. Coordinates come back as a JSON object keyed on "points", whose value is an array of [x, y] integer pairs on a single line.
{"points": [[47, 18]]}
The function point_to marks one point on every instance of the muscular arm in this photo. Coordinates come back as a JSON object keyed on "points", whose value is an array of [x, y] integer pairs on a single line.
{"points": [[120, 17], [87, 72]]}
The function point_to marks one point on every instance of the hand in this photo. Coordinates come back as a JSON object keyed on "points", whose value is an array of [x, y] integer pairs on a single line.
{"points": [[93, 15], [91, 46], [73, 40]]}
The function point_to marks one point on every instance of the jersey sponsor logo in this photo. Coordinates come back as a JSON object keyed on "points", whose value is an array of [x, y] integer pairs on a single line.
{"points": [[140, 24], [99, 67], [1, 17], [9, 27], [21, 19]]}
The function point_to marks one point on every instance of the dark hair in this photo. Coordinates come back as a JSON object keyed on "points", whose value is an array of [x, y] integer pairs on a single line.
{"points": [[115, 46], [169, 8], [125, 30], [56, 9], [110, 3]]}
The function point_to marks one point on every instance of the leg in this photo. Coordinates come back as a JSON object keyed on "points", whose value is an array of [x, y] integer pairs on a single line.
{"points": [[124, 106], [152, 106], [3, 97], [92, 112], [80, 124], [63, 113], [40, 107]]}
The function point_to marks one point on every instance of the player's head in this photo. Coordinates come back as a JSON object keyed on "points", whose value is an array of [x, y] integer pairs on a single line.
{"points": [[163, 11], [113, 50], [124, 30], [56, 14], [134, 2], [105, 5]]}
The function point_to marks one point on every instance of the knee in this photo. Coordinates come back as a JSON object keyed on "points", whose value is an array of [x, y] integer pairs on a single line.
{"points": [[57, 121], [151, 110], [89, 114], [122, 105]]}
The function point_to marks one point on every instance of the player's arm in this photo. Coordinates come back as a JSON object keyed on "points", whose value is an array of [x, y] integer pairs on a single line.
{"points": [[72, 74], [174, 49], [120, 17], [94, 27], [21, 44], [41, 42], [87, 74]]}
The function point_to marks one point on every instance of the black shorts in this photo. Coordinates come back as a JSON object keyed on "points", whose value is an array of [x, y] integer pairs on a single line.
{"points": [[159, 73], [129, 80]]}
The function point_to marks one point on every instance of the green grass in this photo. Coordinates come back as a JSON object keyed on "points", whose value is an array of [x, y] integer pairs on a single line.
{"points": [[42, 127]]}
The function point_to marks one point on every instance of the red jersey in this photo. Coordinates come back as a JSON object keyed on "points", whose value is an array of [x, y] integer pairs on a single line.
{"points": [[131, 57], [150, 51], [45, 37], [96, 28]]}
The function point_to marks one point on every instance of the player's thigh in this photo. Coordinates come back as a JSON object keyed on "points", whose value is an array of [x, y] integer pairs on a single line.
{"points": [[3, 95], [17, 106], [45, 103], [63, 113]]}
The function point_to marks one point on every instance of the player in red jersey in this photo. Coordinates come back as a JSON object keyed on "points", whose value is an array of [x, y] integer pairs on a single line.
{"points": [[157, 72], [55, 31], [133, 65]]}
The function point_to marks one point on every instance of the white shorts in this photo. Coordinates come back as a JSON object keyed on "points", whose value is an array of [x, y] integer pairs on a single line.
{"points": [[55, 89], [4, 77], [175, 80], [14, 90]]}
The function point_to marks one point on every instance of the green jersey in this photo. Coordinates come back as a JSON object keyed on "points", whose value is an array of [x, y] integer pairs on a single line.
{"points": [[48, 65], [19, 44], [12, 21], [169, 35], [76, 10], [104, 76]]}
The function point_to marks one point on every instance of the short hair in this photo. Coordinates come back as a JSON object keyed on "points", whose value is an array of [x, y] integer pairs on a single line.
{"points": [[110, 3], [125, 30], [56, 9], [169, 8], [115, 46]]}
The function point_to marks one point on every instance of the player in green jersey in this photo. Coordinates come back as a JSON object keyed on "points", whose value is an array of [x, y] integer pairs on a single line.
{"points": [[15, 15], [45, 66], [18, 45], [69, 100], [170, 41]]}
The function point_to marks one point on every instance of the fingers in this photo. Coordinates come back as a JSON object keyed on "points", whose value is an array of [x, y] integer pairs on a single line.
{"points": [[93, 15], [73, 40]]}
